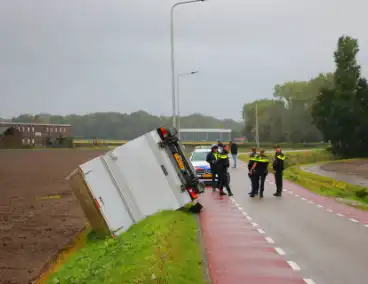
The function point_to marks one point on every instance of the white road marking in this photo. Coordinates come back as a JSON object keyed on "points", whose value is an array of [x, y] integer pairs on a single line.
{"points": [[297, 195], [285, 190], [254, 224], [319, 206], [366, 225], [261, 231], [309, 281], [249, 218], [339, 214], [290, 192], [304, 199], [245, 213], [293, 265], [329, 210], [354, 220], [280, 251], [311, 202], [269, 240]]}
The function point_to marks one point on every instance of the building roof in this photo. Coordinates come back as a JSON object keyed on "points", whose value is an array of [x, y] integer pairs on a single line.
{"points": [[215, 130], [32, 123]]}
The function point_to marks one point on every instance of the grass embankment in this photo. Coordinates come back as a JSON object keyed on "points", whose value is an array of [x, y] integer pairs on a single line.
{"points": [[352, 195], [163, 248]]}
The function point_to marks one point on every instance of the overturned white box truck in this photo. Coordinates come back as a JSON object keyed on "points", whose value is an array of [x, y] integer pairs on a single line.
{"points": [[146, 175]]}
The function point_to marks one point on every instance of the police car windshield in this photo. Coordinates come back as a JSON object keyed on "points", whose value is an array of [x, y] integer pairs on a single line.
{"points": [[199, 156]]}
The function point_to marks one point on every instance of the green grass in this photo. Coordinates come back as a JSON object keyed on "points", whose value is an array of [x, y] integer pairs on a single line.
{"points": [[352, 195], [163, 248]]}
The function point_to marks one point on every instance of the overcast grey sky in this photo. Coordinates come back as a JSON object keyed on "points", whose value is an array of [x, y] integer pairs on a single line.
{"points": [[80, 56]]}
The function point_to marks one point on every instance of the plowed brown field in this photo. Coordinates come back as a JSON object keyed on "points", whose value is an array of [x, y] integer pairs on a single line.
{"points": [[39, 214]]}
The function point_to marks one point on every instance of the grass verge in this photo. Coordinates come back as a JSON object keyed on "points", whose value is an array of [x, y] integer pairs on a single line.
{"points": [[347, 193], [163, 248]]}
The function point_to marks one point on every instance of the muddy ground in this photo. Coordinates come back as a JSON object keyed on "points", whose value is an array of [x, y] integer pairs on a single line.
{"points": [[33, 228], [354, 167]]}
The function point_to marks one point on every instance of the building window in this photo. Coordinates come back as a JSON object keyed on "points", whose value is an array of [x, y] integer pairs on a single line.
{"points": [[33, 141], [52, 130], [32, 129], [28, 141], [23, 141], [28, 129], [22, 129], [56, 129], [47, 129]]}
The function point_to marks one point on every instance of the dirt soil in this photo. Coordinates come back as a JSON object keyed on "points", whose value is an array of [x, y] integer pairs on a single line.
{"points": [[354, 167], [33, 228]]}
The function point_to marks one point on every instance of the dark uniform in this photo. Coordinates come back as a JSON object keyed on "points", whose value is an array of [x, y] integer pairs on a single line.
{"points": [[252, 158], [260, 173], [212, 158], [278, 167], [222, 167]]}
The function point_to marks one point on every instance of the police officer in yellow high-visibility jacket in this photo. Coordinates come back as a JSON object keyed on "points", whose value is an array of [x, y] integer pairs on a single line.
{"points": [[278, 167], [252, 158], [260, 172], [222, 169]]}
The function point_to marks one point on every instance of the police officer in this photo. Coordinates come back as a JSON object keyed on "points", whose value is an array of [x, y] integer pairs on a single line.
{"points": [[212, 158], [223, 165], [252, 158], [278, 167], [260, 171]]}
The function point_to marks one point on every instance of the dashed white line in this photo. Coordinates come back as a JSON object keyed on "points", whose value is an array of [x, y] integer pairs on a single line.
{"points": [[285, 190], [329, 210], [244, 213], [254, 224], [280, 251], [269, 240], [249, 218], [261, 231], [290, 192], [293, 265], [319, 206], [339, 214], [311, 202], [297, 195], [309, 281], [366, 225], [304, 199], [354, 220]]}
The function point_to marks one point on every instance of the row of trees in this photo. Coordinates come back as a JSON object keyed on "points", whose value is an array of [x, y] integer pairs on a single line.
{"points": [[111, 125], [341, 111], [288, 116], [331, 107]]}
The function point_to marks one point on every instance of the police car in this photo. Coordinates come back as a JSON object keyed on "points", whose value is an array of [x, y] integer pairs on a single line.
{"points": [[202, 168]]}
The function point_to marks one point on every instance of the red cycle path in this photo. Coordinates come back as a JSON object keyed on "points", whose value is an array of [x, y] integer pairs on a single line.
{"points": [[326, 202], [237, 253]]}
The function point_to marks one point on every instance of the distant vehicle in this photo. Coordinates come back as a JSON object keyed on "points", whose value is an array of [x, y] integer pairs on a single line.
{"points": [[202, 168]]}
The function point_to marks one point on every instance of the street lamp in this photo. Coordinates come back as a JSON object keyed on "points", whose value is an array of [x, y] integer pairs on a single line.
{"points": [[172, 54], [178, 95]]}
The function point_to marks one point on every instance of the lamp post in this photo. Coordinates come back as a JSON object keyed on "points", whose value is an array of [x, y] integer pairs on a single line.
{"points": [[172, 54], [178, 95]]}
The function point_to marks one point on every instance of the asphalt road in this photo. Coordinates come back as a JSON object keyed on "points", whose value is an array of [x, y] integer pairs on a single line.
{"points": [[329, 249]]}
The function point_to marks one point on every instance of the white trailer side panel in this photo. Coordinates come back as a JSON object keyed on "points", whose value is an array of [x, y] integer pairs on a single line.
{"points": [[145, 177], [104, 190]]}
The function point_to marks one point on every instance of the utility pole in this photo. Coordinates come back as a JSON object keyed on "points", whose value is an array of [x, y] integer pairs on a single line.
{"points": [[257, 133]]}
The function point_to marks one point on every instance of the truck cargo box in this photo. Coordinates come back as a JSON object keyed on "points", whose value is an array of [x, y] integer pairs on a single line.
{"points": [[146, 175]]}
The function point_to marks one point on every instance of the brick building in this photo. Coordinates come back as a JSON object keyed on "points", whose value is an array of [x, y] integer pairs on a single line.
{"points": [[38, 133]]}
